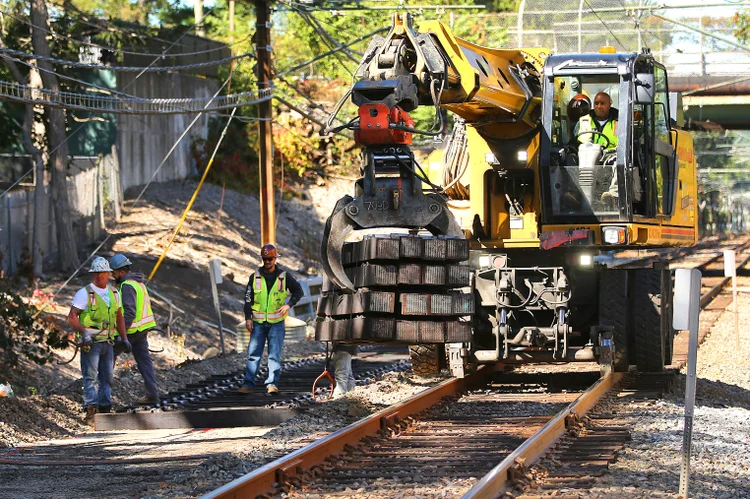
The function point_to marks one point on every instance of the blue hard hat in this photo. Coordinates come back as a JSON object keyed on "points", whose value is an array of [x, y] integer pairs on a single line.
{"points": [[119, 261]]}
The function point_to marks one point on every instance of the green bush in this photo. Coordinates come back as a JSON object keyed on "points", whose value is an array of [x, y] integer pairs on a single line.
{"points": [[22, 335]]}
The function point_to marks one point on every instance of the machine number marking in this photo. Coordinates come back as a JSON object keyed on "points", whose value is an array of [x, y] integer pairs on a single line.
{"points": [[376, 205]]}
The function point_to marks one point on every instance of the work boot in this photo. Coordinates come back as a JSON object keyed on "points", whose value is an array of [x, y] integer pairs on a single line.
{"points": [[146, 400], [90, 413], [104, 409], [272, 390], [245, 390]]}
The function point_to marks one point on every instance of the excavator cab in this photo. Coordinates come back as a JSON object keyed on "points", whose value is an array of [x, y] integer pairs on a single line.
{"points": [[610, 165]]}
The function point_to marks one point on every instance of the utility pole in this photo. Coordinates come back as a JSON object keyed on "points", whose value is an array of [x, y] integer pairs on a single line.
{"points": [[265, 113]]}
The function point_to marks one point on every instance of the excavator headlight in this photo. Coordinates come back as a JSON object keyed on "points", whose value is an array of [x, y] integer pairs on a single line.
{"points": [[586, 260], [523, 156], [614, 235]]}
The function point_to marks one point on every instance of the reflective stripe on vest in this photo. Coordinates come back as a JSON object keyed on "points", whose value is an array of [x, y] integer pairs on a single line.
{"points": [[265, 303], [99, 315], [144, 316], [609, 130]]}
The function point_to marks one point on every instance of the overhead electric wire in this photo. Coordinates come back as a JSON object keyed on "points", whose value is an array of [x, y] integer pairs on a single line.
{"points": [[313, 103], [117, 105], [315, 23], [605, 24], [127, 69], [110, 48], [192, 199], [326, 42], [132, 207], [330, 52], [17, 182], [84, 18], [66, 77], [80, 127]]}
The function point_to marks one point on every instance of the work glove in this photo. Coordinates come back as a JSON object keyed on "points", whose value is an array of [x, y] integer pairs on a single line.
{"points": [[86, 344], [126, 344], [87, 339], [122, 345]]}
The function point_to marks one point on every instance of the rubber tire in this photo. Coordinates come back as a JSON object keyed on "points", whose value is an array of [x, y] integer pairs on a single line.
{"points": [[648, 331], [613, 312], [427, 360]]}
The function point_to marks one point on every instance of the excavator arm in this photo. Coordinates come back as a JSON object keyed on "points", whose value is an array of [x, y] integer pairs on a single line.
{"points": [[497, 89]]}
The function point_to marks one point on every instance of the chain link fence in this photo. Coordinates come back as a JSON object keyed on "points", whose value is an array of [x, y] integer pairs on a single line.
{"points": [[689, 40]]}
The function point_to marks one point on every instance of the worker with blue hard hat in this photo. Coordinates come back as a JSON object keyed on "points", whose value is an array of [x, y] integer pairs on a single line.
{"points": [[95, 315], [139, 320]]}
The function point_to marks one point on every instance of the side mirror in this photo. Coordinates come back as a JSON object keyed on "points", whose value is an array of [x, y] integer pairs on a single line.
{"points": [[644, 88]]}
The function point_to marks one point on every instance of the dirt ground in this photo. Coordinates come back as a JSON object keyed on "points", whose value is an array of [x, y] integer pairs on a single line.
{"points": [[48, 398], [44, 418]]}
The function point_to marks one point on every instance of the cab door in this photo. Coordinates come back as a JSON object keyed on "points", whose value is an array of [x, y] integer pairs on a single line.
{"points": [[659, 152]]}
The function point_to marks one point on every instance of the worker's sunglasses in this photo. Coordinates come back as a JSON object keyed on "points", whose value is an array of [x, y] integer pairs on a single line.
{"points": [[269, 259]]}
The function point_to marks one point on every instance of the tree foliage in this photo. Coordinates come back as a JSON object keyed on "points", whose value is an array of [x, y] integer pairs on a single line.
{"points": [[742, 25], [21, 336]]}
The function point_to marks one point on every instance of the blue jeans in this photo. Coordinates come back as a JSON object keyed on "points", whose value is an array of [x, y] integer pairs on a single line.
{"points": [[97, 365], [263, 331]]}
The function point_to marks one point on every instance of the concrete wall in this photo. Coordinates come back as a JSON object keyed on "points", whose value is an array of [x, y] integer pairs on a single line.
{"points": [[144, 140], [95, 188]]}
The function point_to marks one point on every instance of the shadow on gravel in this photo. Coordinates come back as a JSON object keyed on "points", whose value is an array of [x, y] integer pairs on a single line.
{"points": [[715, 394]]}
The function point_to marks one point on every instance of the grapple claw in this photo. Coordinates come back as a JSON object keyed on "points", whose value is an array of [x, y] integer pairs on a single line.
{"points": [[337, 229]]}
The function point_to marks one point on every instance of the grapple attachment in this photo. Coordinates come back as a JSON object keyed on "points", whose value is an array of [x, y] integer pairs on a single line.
{"points": [[392, 200]]}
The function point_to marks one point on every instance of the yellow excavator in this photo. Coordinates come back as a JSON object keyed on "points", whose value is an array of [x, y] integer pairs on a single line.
{"points": [[507, 257]]}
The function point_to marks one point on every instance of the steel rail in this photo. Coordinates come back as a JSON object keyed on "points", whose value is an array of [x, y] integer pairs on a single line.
{"points": [[263, 479], [267, 478], [712, 293], [739, 248], [494, 482]]}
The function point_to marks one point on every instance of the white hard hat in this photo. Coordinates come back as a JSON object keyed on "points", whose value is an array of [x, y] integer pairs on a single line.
{"points": [[100, 264]]}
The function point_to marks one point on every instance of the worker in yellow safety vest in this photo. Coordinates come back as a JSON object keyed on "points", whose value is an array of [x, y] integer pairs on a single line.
{"points": [[602, 119], [95, 315], [266, 307], [139, 320]]}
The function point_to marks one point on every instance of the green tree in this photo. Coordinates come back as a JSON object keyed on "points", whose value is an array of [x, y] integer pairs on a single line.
{"points": [[742, 25]]}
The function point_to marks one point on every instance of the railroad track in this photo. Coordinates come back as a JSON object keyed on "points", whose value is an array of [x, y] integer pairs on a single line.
{"points": [[456, 441]]}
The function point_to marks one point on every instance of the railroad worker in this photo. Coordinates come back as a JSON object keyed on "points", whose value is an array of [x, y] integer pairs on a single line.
{"points": [[602, 119], [266, 307], [94, 316], [342, 363], [139, 320]]}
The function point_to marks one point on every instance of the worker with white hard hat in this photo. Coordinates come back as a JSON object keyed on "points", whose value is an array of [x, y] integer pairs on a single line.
{"points": [[95, 315]]}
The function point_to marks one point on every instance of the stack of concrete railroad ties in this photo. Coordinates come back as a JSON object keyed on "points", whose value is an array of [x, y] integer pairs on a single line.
{"points": [[406, 292]]}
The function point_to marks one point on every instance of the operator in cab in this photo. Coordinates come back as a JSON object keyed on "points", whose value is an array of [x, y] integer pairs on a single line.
{"points": [[602, 119]]}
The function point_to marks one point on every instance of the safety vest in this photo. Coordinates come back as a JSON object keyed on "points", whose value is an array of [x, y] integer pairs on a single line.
{"points": [[267, 302], [144, 316], [588, 124], [99, 315]]}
